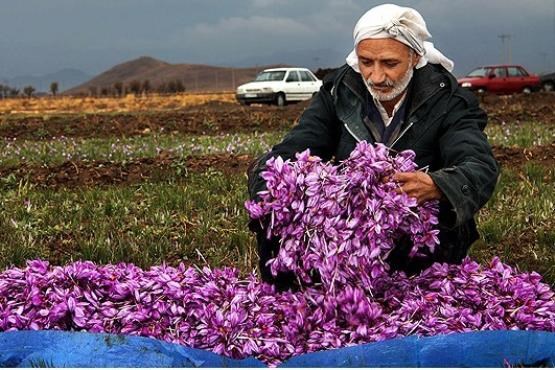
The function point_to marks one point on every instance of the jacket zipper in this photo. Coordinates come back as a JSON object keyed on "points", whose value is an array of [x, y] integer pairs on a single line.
{"points": [[351, 132], [411, 123], [402, 133]]}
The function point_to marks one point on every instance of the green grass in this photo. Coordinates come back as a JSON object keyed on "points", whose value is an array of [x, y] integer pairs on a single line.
{"points": [[525, 135], [115, 149], [518, 223], [201, 218], [201, 215]]}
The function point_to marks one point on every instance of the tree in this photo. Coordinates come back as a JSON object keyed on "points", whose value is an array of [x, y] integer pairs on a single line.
{"points": [[54, 88], [118, 86], [93, 90], [179, 86], [171, 87], [104, 91], [28, 91], [146, 86], [163, 88], [135, 87], [13, 92]]}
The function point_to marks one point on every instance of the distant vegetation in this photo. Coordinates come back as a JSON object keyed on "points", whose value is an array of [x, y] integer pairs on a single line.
{"points": [[118, 99], [8, 92]]}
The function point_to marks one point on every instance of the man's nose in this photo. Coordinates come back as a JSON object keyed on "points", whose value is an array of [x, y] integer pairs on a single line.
{"points": [[377, 76]]}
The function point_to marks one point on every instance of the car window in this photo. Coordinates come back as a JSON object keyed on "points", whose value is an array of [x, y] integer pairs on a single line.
{"points": [[514, 72], [293, 76], [522, 71], [479, 72], [305, 76], [270, 76], [500, 72]]}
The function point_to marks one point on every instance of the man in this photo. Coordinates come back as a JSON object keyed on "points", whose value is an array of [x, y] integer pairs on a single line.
{"points": [[397, 89]]}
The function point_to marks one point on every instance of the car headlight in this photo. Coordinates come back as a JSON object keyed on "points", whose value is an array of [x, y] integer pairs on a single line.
{"points": [[240, 91], [466, 84]]}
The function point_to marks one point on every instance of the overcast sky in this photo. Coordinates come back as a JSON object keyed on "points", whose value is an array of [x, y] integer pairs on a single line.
{"points": [[44, 36]]}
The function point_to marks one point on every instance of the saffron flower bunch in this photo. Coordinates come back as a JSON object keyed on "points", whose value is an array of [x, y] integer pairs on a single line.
{"points": [[343, 220]]}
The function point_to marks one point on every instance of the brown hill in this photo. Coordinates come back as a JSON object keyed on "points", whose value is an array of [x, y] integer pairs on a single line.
{"points": [[195, 77]]}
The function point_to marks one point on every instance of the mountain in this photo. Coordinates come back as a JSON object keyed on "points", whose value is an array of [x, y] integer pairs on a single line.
{"points": [[66, 79], [195, 77]]}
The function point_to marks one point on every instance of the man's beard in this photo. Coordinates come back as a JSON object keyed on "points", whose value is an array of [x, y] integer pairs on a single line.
{"points": [[397, 88]]}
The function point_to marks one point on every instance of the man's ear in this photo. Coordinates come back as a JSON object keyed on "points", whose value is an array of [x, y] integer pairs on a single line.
{"points": [[415, 60]]}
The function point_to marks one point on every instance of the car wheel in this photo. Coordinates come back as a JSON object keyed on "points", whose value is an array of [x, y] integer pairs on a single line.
{"points": [[526, 90], [548, 86], [280, 100]]}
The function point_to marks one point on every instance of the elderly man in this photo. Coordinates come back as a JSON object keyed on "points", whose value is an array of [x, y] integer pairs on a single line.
{"points": [[397, 89]]}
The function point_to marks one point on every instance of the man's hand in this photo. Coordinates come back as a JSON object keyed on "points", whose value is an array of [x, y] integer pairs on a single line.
{"points": [[418, 185]]}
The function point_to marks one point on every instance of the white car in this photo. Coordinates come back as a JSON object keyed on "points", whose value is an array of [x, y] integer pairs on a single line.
{"points": [[279, 86]]}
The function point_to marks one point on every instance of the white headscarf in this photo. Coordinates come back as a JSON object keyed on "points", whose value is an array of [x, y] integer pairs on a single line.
{"points": [[405, 25]]}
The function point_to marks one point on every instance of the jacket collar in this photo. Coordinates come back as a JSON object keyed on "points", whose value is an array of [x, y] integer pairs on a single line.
{"points": [[426, 81]]}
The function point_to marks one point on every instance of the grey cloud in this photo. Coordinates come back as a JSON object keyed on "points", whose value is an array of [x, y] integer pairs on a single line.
{"points": [[42, 36]]}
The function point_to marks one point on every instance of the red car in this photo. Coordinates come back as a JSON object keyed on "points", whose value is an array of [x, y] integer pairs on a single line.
{"points": [[501, 79]]}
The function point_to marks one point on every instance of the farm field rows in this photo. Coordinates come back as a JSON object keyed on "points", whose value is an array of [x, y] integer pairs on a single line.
{"points": [[165, 185]]}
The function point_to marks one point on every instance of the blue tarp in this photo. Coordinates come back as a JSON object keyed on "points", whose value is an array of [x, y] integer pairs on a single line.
{"points": [[478, 349]]}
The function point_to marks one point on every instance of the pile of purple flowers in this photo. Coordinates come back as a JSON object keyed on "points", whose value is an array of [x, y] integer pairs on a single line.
{"points": [[341, 220], [357, 300], [221, 311]]}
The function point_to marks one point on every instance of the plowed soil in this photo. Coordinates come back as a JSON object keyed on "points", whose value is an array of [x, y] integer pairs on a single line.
{"points": [[210, 119], [537, 107], [216, 117], [74, 174]]}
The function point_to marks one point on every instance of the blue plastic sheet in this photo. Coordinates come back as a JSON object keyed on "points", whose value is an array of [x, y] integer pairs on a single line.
{"points": [[78, 349], [51, 348]]}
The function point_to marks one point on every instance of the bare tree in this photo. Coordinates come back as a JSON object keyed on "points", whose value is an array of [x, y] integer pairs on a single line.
{"points": [[118, 87], [135, 87], [28, 91], [179, 86], [146, 86], [163, 88], [54, 88], [93, 91], [172, 87]]}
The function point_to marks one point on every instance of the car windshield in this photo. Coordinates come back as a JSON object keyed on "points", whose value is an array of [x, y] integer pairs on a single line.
{"points": [[479, 72], [270, 76]]}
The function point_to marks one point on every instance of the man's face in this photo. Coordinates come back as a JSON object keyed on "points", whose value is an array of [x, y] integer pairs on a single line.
{"points": [[386, 65]]}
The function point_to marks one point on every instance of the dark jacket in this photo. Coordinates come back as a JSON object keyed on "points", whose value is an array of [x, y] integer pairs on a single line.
{"points": [[443, 125]]}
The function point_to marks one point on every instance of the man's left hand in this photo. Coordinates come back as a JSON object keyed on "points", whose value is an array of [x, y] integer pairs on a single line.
{"points": [[419, 185]]}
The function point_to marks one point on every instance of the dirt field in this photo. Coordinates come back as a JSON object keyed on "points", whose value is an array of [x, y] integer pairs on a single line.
{"points": [[222, 117], [71, 174], [153, 186], [210, 118], [218, 117]]}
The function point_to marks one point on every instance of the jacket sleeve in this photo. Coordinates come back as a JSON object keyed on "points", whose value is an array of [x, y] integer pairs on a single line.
{"points": [[469, 171], [316, 130]]}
